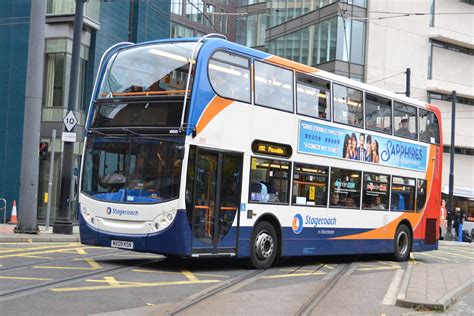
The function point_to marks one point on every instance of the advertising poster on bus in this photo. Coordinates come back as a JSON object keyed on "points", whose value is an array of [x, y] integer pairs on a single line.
{"points": [[338, 142]]}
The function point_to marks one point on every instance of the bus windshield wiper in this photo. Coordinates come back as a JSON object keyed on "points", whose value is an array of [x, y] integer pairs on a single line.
{"points": [[94, 131], [132, 132]]}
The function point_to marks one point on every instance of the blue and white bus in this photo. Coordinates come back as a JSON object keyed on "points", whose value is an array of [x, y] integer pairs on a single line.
{"points": [[202, 146]]}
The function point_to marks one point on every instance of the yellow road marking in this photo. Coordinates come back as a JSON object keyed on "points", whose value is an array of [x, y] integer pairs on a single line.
{"points": [[129, 285], [21, 278], [37, 257], [386, 266], [189, 275], [171, 272], [41, 252], [30, 240], [93, 266], [36, 248], [291, 275], [412, 259]]}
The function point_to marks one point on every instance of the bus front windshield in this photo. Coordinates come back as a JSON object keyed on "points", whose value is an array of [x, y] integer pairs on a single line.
{"points": [[132, 170], [150, 70]]}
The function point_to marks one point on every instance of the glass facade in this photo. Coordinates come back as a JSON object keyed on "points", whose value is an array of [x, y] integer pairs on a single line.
{"points": [[284, 10], [335, 38], [59, 7]]}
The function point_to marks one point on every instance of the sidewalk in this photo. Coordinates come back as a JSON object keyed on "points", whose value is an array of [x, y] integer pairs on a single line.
{"points": [[436, 286], [8, 235]]}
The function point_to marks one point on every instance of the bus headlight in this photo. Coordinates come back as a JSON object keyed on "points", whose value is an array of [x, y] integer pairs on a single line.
{"points": [[88, 216], [164, 220]]}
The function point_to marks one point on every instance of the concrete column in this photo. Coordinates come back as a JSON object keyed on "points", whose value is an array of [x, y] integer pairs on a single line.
{"points": [[27, 207]]}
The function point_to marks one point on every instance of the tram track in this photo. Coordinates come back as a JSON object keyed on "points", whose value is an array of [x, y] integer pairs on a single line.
{"points": [[308, 307], [30, 289], [209, 293]]}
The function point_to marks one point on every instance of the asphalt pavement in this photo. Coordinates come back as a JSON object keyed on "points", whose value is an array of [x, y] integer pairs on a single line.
{"points": [[434, 286]]}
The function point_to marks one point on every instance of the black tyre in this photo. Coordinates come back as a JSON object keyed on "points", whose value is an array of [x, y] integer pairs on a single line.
{"points": [[402, 243], [263, 246]]}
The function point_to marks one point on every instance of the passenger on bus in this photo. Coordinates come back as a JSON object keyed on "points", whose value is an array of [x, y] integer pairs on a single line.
{"points": [[378, 204], [350, 202], [334, 200], [403, 130]]}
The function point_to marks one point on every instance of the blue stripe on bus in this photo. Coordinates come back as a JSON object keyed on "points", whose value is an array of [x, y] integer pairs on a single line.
{"points": [[303, 244]]}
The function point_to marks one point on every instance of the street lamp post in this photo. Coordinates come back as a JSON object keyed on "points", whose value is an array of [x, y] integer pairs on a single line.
{"points": [[449, 235]]}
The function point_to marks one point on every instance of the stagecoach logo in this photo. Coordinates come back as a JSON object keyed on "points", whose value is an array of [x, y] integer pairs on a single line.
{"points": [[297, 224], [114, 211]]}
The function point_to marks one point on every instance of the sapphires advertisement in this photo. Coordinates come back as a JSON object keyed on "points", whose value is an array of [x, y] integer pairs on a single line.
{"points": [[342, 143]]}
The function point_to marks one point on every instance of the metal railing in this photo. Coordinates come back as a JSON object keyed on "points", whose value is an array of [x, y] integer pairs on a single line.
{"points": [[4, 208]]}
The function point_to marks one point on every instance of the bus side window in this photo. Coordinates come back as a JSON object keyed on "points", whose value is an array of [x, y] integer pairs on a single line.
{"points": [[348, 106], [229, 75], [429, 127], [273, 87]]}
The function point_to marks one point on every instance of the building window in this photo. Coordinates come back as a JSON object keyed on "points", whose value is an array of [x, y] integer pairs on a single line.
{"points": [[403, 194], [313, 97], [251, 30], [351, 40], [273, 87], [448, 98], [378, 113], [58, 62], [269, 181], [230, 76], [348, 106], [405, 120], [429, 128], [310, 185], [345, 188], [452, 47], [68, 7], [376, 191]]}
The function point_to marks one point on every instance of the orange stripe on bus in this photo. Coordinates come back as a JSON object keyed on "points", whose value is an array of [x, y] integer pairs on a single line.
{"points": [[387, 231], [213, 108], [291, 64]]}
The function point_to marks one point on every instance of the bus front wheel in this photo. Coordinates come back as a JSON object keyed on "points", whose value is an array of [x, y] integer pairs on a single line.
{"points": [[264, 246], [402, 243]]}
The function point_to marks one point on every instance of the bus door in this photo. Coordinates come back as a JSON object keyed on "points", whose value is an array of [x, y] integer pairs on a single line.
{"points": [[216, 183]]}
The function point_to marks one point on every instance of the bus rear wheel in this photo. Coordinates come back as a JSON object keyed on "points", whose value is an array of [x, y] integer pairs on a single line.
{"points": [[402, 243], [264, 246]]}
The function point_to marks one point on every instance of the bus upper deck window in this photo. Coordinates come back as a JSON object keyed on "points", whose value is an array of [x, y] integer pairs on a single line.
{"points": [[378, 113], [429, 127], [348, 106], [405, 120], [313, 97], [229, 75]]}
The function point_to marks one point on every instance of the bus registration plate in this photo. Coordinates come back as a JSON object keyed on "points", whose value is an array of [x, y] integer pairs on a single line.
{"points": [[122, 244]]}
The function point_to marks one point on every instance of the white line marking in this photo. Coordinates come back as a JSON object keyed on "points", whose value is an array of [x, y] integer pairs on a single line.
{"points": [[392, 292]]}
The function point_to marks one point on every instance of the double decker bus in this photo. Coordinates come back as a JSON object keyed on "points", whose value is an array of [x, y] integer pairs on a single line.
{"points": [[204, 147]]}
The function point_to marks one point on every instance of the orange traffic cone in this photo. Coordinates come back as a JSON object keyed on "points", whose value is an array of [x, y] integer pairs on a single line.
{"points": [[13, 218]]}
